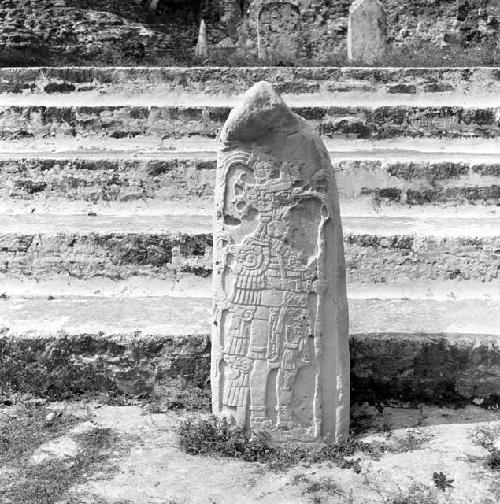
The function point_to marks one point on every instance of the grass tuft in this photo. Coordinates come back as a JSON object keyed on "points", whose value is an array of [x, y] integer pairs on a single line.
{"points": [[423, 55], [212, 436], [486, 437], [441, 481], [416, 494], [23, 430]]}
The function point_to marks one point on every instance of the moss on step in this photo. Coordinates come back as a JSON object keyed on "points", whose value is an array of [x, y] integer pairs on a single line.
{"points": [[62, 367], [173, 372], [440, 369]]}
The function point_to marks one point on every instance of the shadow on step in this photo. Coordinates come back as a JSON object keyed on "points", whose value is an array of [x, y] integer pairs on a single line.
{"points": [[443, 369]]}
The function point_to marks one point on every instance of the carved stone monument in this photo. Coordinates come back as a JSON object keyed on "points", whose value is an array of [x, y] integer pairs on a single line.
{"points": [[278, 29], [366, 31], [280, 355], [232, 15], [201, 49]]}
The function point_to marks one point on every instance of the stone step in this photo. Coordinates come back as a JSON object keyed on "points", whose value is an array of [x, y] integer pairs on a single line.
{"points": [[348, 122], [201, 99], [124, 184], [231, 81], [402, 148], [378, 249], [403, 349], [188, 286]]}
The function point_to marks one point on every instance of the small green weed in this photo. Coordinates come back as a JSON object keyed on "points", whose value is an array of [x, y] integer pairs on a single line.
{"points": [[324, 488], [321, 490], [441, 481], [486, 437], [416, 494], [215, 437]]}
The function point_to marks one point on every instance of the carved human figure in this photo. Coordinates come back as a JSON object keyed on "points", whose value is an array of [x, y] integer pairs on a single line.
{"points": [[276, 222]]}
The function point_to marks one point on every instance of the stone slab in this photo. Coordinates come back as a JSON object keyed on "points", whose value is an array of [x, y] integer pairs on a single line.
{"points": [[217, 80], [154, 147], [366, 32], [194, 224], [378, 249], [279, 30], [280, 355], [118, 185], [403, 95], [172, 122], [128, 318], [200, 287]]}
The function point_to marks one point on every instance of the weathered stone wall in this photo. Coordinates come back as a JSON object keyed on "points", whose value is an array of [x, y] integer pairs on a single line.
{"points": [[322, 27], [309, 28], [383, 367], [64, 26]]}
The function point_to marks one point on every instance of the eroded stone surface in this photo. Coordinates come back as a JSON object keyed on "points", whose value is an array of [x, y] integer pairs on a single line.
{"points": [[367, 31], [176, 125], [216, 81], [278, 30], [280, 358]]}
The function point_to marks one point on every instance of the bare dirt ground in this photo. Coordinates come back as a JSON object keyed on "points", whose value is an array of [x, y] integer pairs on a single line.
{"points": [[89, 453]]}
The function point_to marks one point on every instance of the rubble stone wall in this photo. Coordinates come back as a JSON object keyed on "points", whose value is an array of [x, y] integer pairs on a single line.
{"points": [[312, 28], [323, 23], [65, 27]]}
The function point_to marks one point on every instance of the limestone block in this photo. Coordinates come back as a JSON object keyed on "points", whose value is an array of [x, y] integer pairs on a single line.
{"points": [[366, 32], [280, 357]]}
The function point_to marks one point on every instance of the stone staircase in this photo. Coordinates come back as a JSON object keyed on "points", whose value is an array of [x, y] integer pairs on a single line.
{"points": [[106, 177]]}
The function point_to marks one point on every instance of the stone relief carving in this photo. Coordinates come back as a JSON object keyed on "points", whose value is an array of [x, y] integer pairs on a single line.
{"points": [[271, 305], [270, 281]]}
